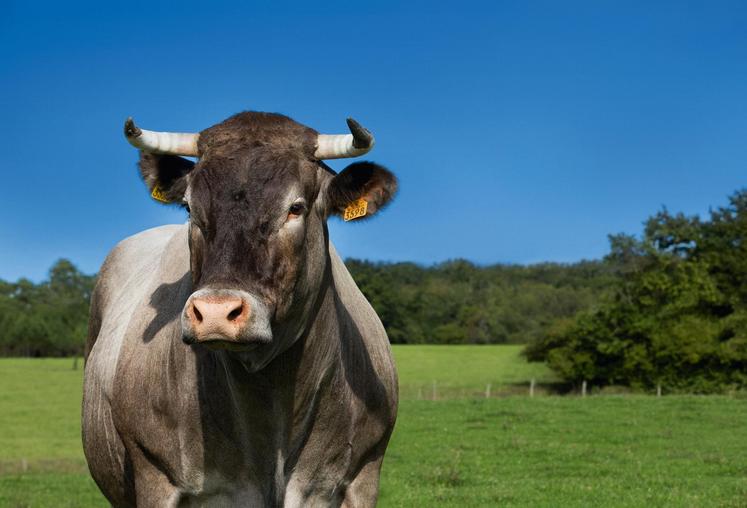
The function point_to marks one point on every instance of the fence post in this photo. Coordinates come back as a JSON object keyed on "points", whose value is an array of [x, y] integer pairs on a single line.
{"points": [[531, 388], [658, 389], [75, 362], [487, 391], [583, 388]]}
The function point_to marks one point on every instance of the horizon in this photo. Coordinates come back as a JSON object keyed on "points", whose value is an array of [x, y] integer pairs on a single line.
{"points": [[425, 266], [521, 134]]}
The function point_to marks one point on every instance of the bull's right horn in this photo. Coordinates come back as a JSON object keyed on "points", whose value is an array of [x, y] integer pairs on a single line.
{"points": [[338, 146], [167, 143]]}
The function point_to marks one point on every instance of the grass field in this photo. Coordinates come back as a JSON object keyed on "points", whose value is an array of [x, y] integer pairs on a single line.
{"points": [[465, 371], [512, 451]]}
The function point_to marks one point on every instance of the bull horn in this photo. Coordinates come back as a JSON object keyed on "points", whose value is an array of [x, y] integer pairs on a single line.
{"points": [[167, 143], [338, 146]]}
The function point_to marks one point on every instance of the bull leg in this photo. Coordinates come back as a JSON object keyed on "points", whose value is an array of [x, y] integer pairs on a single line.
{"points": [[152, 486], [363, 491], [153, 489]]}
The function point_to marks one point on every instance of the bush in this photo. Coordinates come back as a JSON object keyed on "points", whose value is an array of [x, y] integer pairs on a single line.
{"points": [[677, 315]]}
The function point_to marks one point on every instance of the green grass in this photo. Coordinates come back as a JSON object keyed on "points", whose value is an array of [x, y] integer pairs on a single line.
{"points": [[464, 371], [40, 409], [41, 455], [507, 450], [635, 451]]}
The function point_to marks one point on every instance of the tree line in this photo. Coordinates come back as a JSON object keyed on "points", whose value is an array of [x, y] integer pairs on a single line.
{"points": [[458, 302], [46, 319]]}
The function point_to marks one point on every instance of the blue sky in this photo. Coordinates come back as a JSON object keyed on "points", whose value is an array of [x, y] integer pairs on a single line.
{"points": [[520, 131]]}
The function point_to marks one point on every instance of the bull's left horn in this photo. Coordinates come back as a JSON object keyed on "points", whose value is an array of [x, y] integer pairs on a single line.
{"points": [[338, 146], [168, 143]]}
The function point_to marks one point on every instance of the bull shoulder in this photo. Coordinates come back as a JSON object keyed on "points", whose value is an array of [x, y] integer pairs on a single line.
{"points": [[130, 259]]}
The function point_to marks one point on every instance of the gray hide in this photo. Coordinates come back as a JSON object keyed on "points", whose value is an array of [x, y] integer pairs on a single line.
{"points": [[168, 424]]}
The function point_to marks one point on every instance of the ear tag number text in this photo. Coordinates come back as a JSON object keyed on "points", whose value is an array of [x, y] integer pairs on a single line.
{"points": [[355, 209], [158, 195]]}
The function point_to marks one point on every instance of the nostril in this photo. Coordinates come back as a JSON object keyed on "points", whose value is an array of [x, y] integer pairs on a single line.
{"points": [[235, 313], [197, 314], [206, 314]]}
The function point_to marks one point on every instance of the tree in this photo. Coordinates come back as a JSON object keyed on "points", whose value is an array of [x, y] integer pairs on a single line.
{"points": [[46, 319], [677, 313]]}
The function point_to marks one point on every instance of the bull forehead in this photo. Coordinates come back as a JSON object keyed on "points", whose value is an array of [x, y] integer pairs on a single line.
{"points": [[261, 176], [252, 129]]}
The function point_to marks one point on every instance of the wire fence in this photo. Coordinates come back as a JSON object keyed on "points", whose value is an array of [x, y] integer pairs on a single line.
{"points": [[435, 390]]}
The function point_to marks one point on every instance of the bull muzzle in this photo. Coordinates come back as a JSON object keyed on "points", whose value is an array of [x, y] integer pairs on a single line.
{"points": [[225, 318]]}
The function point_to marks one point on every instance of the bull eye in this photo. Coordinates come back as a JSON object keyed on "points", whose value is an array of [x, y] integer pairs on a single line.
{"points": [[295, 210]]}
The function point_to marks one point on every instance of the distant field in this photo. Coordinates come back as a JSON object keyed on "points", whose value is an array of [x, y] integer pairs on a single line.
{"points": [[509, 451], [464, 371]]}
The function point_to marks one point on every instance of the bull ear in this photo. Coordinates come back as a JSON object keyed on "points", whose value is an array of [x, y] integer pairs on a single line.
{"points": [[365, 181], [165, 176]]}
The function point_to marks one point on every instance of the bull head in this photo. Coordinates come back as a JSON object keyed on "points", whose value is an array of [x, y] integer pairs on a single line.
{"points": [[258, 197]]}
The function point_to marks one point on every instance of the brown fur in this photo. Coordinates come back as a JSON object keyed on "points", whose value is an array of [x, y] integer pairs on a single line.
{"points": [[374, 183]]}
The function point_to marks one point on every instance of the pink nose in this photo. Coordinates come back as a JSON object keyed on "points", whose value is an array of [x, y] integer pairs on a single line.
{"points": [[217, 317]]}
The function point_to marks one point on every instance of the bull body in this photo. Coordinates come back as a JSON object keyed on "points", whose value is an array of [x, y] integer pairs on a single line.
{"points": [[167, 424]]}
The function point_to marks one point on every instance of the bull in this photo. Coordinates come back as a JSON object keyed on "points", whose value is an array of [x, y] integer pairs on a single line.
{"points": [[232, 360]]}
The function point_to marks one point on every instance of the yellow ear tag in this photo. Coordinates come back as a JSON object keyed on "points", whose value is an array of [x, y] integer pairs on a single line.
{"points": [[355, 209], [158, 195]]}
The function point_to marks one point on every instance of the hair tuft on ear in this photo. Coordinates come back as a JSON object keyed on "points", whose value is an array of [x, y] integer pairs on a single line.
{"points": [[361, 180], [165, 175]]}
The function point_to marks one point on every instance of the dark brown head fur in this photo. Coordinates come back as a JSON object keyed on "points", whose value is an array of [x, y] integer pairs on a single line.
{"points": [[258, 202]]}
